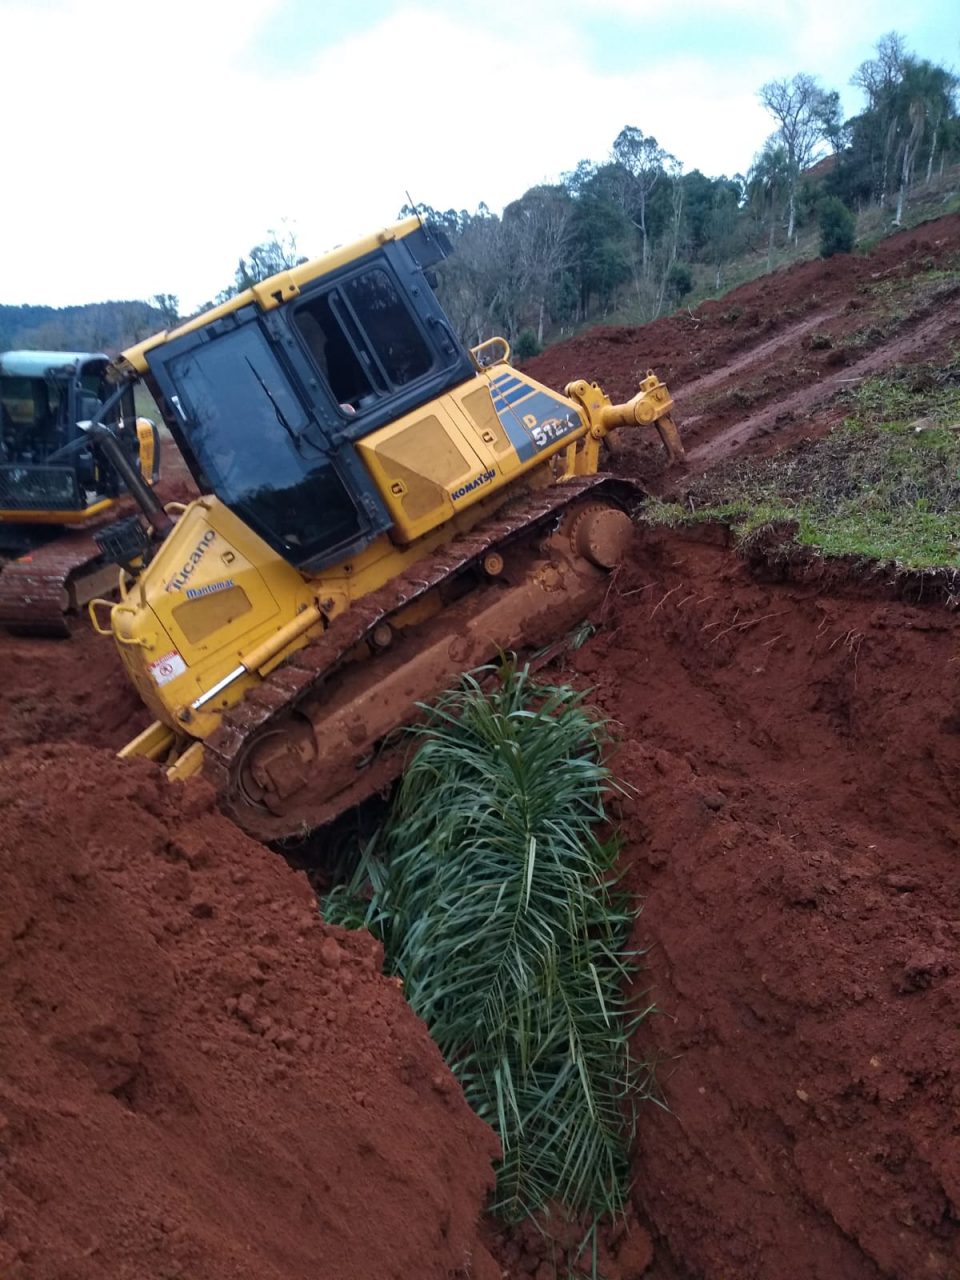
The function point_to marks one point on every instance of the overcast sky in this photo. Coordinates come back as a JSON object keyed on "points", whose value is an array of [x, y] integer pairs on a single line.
{"points": [[147, 146]]}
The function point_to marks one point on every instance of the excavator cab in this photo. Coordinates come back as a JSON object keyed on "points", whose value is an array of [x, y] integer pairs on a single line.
{"points": [[51, 471]]}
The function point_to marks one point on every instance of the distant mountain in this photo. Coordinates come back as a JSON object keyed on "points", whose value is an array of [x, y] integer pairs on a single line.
{"points": [[95, 326]]}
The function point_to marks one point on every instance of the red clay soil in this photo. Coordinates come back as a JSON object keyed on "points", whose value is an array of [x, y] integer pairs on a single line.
{"points": [[72, 690], [199, 1078], [176, 483], [793, 836], [765, 364]]}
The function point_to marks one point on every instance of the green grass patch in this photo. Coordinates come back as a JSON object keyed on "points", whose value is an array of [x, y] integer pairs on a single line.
{"points": [[884, 484], [876, 224], [497, 904], [904, 295]]}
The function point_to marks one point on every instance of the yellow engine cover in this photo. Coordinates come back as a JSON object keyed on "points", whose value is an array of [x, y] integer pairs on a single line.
{"points": [[214, 590], [455, 451]]}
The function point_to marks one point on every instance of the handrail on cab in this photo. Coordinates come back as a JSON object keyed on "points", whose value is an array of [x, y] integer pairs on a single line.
{"points": [[484, 352]]}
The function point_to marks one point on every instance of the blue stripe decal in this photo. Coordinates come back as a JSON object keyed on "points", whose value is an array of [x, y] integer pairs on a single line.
{"points": [[501, 399], [503, 378], [552, 418]]}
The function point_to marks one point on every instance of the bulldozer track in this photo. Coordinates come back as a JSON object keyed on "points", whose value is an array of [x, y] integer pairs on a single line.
{"points": [[35, 590], [304, 673]]}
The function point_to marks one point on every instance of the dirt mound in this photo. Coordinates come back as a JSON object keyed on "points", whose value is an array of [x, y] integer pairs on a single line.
{"points": [[200, 1079], [793, 836], [72, 690]]}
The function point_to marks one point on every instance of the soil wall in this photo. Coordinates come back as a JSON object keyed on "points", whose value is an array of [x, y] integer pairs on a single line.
{"points": [[793, 761], [199, 1078]]}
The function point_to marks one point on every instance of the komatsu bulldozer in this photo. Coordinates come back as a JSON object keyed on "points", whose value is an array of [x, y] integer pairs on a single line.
{"points": [[385, 509], [56, 482]]}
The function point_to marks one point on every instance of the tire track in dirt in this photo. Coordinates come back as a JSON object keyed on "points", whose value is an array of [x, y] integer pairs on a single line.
{"points": [[804, 401], [688, 391], [709, 354]]}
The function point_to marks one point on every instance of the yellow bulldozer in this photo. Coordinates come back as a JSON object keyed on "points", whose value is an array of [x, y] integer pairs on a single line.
{"points": [[384, 510]]}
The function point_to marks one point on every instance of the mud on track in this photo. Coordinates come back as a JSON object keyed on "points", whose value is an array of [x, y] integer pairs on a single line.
{"points": [[792, 831]]}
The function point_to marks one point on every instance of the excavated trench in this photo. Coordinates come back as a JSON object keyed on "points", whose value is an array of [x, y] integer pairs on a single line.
{"points": [[791, 829], [792, 761], [200, 1079]]}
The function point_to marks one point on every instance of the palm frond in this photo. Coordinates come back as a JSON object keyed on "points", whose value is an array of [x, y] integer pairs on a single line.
{"points": [[498, 906]]}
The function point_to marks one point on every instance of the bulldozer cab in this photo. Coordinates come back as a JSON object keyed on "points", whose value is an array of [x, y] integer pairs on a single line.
{"points": [[267, 396]]}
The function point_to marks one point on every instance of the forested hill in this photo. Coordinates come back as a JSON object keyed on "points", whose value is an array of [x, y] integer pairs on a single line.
{"points": [[636, 233], [96, 326]]}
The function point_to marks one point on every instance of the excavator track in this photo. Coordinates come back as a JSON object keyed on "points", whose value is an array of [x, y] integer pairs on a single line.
{"points": [[41, 588], [281, 708]]}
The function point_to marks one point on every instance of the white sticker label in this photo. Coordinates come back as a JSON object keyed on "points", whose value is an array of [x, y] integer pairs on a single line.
{"points": [[167, 668]]}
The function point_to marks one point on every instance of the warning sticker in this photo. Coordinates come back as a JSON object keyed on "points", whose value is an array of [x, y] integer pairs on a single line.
{"points": [[167, 668]]}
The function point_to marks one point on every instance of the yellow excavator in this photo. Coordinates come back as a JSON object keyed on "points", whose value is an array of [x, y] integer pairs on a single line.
{"points": [[385, 509], [56, 482]]}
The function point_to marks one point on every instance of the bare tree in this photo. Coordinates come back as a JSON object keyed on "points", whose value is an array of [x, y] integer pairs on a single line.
{"points": [[644, 159], [879, 74], [473, 281], [277, 253], [880, 78], [537, 227], [168, 304], [800, 108]]}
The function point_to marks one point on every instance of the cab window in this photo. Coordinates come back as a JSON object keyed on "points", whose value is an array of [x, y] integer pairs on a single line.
{"points": [[247, 431], [364, 339]]}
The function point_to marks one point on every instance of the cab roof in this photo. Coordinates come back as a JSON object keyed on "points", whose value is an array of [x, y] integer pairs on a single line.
{"points": [[37, 364], [275, 290]]}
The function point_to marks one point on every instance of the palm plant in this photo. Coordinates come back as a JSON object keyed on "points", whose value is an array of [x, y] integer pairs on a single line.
{"points": [[498, 906]]}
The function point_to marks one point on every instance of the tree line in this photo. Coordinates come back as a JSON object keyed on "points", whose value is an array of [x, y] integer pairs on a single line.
{"points": [[92, 326], [632, 232]]}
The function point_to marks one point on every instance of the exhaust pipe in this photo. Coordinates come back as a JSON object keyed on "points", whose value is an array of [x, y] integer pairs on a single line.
{"points": [[146, 499]]}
